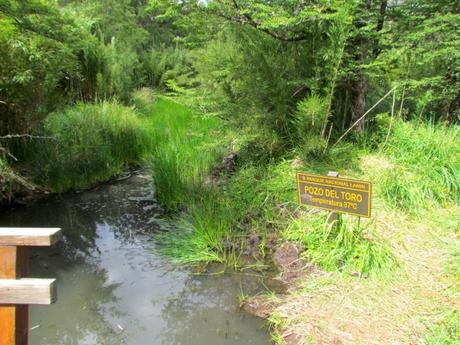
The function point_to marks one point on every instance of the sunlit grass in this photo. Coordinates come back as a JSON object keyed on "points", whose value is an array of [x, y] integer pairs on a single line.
{"points": [[185, 150], [90, 143], [426, 166]]}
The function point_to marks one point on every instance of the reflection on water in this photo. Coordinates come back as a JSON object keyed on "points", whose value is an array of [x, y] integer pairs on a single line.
{"points": [[113, 285]]}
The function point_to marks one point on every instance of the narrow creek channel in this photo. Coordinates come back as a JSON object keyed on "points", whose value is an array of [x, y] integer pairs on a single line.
{"points": [[115, 287]]}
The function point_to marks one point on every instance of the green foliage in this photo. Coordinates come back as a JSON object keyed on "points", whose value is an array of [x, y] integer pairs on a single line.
{"points": [[446, 331], [345, 247], [90, 143], [263, 147], [310, 121], [6, 183], [259, 78], [185, 151], [52, 55], [426, 166], [38, 61], [144, 101], [161, 66], [424, 56]]}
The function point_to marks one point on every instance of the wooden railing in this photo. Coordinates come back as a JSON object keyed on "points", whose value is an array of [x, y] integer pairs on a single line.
{"points": [[16, 290]]}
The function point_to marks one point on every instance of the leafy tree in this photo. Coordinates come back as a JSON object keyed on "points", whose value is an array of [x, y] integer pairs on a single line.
{"points": [[38, 61]]}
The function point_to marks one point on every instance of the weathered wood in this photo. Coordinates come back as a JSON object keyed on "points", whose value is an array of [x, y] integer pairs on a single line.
{"points": [[27, 291], [29, 236], [14, 263]]}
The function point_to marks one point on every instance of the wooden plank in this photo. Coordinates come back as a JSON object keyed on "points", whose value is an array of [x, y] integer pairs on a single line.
{"points": [[27, 291], [29, 236], [14, 263]]}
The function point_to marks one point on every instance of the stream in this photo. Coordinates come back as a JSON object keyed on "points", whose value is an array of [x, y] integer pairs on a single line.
{"points": [[114, 285]]}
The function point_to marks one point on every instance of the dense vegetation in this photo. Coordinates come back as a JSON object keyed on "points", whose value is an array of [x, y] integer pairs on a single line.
{"points": [[89, 88]]}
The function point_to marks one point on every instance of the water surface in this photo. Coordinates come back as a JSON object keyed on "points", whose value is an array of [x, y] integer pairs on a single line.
{"points": [[115, 287]]}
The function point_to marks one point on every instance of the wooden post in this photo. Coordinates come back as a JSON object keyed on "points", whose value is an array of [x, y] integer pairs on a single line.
{"points": [[333, 217], [14, 265]]}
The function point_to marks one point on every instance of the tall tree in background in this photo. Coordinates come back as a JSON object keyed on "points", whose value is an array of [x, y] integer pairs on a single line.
{"points": [[364, 48]]}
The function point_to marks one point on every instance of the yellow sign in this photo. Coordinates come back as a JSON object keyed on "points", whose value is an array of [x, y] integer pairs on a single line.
{"points": [[335, 194]]}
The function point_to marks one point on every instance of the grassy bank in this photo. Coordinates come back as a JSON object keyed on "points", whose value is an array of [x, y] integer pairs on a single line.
{"points": [[396, 266], [393, 278], [406, 252], [83, 145]]}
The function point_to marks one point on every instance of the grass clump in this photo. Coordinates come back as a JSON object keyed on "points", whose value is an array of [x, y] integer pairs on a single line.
{"points": [[91, 143], [426, 169], [143, 101], [185, 151], [446, 331], [186, 148], [342, 246], [201, 234]]}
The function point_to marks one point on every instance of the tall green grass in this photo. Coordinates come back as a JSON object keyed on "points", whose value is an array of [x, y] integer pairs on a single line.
{"points": [[346, 246], [91, 143], [426, 166], [199, 236], [186, 148]]}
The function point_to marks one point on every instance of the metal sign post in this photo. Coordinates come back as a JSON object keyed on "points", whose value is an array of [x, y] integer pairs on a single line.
{"points": [[333, 217]]}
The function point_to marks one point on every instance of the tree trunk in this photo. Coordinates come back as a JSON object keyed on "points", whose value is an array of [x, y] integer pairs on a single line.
{"points": [[369, 50], [454, 108], [360, 90]]}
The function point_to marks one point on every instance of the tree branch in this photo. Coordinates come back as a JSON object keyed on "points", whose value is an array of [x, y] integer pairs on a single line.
{"points": [[246, 19], [8, 153], [30, 136], [379, 27]]}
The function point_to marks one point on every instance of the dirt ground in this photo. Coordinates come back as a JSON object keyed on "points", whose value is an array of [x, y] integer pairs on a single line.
{"points": [[324, 308]]}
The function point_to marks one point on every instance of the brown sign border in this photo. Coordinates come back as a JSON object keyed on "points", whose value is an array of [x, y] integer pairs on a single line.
{"points": [[369, 207]]}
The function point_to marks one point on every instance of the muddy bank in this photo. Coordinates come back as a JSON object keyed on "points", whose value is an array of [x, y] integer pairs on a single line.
{"points": [[290, 270]]}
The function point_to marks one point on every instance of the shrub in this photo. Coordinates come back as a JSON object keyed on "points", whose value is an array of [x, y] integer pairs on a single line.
{"points": [[309, 120], [91, 143]]}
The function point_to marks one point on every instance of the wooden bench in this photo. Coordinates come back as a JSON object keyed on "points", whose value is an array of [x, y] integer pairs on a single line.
{"points": [[16, 290]]}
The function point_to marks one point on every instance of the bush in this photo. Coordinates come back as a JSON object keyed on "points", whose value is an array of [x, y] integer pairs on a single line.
{"points": [[309, 120], [90, 143]]}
